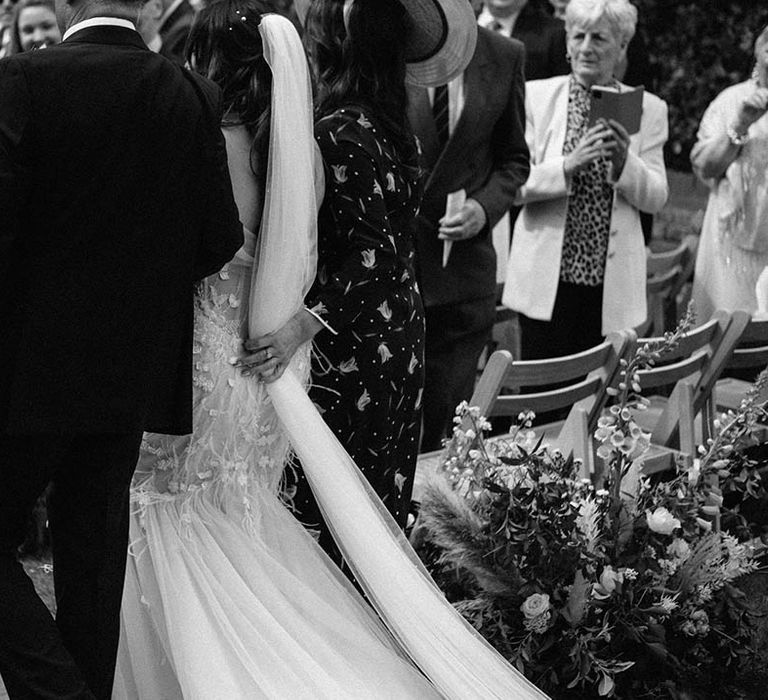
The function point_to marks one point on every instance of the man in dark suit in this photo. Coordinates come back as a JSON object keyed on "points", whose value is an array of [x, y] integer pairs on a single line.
{"points": [[542, 35], [174, 28], [115, 196], [486, 156]]}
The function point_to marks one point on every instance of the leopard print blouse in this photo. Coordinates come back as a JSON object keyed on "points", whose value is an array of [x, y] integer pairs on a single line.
{"points": [[588, 220]]}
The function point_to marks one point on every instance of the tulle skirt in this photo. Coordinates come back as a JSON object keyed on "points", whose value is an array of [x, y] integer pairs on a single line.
{"points": [[219, 606]]}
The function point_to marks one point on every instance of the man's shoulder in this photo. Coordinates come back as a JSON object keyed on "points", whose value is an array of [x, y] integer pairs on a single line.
{"points": [[11, 66], [540, 23], [501, 47]]}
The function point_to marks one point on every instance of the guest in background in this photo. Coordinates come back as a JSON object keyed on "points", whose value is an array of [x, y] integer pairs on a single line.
{"points": [[558, 8], [34, 26], [174, 28], [148, 25], [6, 21], [542, 34], [634, 69], [544, 39], [368, 375], [730, 157], [472, 133], [577, 264]]}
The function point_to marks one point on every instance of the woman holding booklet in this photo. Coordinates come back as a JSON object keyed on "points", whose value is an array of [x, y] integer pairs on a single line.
{"points": [[577, 264]]}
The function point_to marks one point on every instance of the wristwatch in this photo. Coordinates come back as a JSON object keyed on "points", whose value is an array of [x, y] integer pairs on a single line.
{"points": [[735, 137]]}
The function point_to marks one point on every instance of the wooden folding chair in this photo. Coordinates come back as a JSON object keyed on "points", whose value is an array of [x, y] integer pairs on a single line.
{"points": [[692, 369], [666, 273], [505, 334], [587, 375], [749, 355]]}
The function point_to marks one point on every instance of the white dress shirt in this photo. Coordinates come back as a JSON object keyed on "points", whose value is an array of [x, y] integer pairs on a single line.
{"points": [[487, 20], [98, 22]]}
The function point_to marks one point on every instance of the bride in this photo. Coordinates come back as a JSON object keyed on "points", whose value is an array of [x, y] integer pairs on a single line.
{"points": [[226, 594]]}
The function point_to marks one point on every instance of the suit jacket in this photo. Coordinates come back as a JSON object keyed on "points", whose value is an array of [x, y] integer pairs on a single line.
{"points": [[544, 39], [115, 197], [175, 30], [533, 272], [486, 155]]}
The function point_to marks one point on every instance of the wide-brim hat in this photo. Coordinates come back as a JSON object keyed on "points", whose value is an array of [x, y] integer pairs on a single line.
{"points": [[441, 38]]}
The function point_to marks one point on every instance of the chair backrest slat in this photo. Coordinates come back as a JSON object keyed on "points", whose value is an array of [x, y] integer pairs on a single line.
{"points": [[658, 262], [558, 369], [667, 375], [706, 334], [661, 283], [590, 373], [565, 397], [746, 358], [752, 349], [756, 333]]}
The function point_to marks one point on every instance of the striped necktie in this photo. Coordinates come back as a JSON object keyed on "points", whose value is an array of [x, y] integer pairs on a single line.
{"points": [[440, 113]]}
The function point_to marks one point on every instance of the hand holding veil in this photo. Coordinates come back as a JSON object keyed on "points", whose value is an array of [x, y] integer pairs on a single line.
{"points": [[458, 662]]}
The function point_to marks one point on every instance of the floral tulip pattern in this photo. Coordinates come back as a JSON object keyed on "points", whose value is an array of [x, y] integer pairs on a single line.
{"points": [[367, 378]]}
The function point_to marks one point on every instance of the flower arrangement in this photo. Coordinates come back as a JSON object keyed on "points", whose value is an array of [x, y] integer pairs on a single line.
{"points": [[591, 590]]}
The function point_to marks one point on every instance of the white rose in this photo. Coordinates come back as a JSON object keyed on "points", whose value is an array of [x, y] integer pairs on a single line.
{"points": [[662, 521], [535, 605]]}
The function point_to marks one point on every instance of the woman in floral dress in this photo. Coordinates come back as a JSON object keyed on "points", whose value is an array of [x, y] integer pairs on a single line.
{"points": [[368, 373]]}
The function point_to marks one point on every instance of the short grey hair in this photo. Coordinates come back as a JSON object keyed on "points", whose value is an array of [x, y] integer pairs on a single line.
{"points": [[621, 15]]}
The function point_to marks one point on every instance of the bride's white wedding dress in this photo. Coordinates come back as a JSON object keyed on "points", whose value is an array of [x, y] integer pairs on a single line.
{"points": [[227, 597]]}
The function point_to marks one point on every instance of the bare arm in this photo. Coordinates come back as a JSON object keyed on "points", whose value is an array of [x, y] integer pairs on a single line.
{"points": [[710, 158]]}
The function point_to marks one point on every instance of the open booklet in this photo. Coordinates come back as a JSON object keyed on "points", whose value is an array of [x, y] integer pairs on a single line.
{"points": [[625, 106]]}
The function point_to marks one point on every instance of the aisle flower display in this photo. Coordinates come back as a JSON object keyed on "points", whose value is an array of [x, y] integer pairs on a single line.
{"points": [[622, 588]]}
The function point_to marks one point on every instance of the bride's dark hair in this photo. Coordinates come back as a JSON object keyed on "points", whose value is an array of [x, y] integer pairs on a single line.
{"points": [[225, 46], [362, 62]]}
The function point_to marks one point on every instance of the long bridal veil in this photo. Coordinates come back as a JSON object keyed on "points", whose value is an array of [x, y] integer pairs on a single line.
{"points": [[454, 657]]}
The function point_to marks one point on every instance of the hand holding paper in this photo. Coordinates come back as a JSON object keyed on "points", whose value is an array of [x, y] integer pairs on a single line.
{"points": [[465, 217], [453, 205]]}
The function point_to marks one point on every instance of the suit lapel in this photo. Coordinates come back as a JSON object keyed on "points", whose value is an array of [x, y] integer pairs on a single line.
{"points": [[555, 141]]}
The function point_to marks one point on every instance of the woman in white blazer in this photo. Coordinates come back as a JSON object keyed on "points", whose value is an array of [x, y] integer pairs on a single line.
{"points": [[577, 265]]}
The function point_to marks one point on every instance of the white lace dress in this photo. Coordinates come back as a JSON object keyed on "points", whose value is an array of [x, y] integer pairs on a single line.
{"points": [[227, 596]]}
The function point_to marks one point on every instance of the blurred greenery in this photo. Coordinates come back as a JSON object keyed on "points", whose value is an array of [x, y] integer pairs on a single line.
{"points": [[697, 48]]}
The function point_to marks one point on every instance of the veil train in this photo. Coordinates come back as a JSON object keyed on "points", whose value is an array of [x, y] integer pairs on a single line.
{"points": [[455, 658]]}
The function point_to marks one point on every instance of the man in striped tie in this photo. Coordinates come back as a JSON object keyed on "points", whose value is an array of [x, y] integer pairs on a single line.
{"points": [[472, 133]]}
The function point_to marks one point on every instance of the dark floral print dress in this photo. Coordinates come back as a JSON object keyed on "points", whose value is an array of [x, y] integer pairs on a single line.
{"points": [[368, 369]]}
